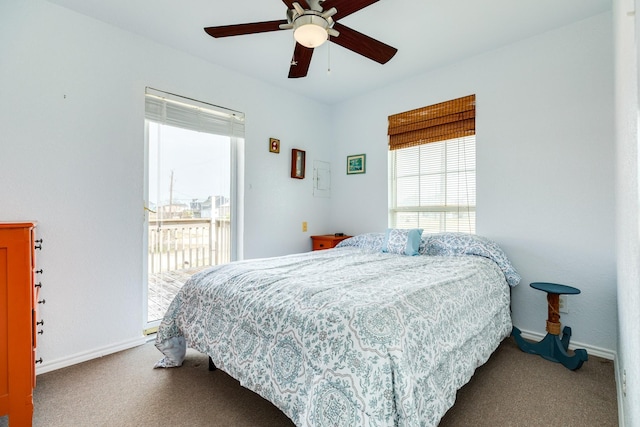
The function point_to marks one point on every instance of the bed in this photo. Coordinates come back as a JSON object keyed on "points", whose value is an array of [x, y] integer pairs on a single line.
{"points": [[380, 331]]}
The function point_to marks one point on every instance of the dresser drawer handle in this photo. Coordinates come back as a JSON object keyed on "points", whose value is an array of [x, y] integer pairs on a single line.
{"points": [[38, 285], [42, 301], [39, 244], [39, 360]]}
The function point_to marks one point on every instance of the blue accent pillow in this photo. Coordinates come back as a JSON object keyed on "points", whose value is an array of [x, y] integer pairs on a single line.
{"points": [[403, 242]]}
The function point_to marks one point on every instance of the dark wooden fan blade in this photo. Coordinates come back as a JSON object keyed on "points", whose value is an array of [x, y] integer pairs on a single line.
{"points": [[346, 7], [302, 3], [300, 61], [241, 29], [363, 44]]}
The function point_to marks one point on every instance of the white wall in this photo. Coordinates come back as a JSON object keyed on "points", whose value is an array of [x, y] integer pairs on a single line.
{"points": [[71, 157], [545, 165], [628, 211]]}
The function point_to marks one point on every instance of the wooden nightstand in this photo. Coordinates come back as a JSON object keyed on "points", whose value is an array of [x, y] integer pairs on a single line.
{"points": [[326, 241]]}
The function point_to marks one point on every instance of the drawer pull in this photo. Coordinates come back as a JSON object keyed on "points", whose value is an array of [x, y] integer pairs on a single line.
{"points": [[40, 322], [321, 245], [39, 360], [39, 271], [40, 332], [42, 301], [39, 244], [38, 285]]}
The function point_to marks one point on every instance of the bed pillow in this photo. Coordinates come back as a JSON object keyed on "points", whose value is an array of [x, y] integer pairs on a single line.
{"points": [[469, 244], [371, 241], [402, 241]]}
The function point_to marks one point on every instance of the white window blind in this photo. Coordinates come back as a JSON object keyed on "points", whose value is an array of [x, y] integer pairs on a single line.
{"points": [[174, 110], [434, 186]]}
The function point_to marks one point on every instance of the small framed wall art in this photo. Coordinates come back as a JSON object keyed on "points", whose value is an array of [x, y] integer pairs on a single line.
{"points": [[356, 163], [274, 145], [297, 163]]}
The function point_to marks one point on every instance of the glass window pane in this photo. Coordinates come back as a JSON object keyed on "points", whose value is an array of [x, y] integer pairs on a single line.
{"points": [[432, 190], [439, 174], [189, 187], [432, 222], [406, 220], [408, 161], [408, 191], [462, 222], [433, 158]]}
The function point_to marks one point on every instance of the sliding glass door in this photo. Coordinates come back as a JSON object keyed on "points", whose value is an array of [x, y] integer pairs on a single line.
{"points": [[189, 203]]}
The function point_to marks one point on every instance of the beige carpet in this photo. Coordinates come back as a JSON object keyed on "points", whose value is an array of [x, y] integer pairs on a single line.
{"points": [[512, 389]]}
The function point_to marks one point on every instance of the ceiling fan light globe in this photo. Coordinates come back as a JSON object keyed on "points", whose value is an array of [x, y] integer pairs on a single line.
{"points": [[310, 30], [310, 35]]}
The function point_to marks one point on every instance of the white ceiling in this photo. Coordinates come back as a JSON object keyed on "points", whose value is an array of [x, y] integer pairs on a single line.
{"points": [[427, 34]]}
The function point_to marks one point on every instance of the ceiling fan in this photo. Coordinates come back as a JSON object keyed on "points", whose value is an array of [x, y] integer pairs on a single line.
{"points": [[314, 22]]}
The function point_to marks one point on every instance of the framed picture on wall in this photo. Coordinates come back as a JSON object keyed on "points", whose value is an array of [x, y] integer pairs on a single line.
{"points": [[274, 145], [356, 163], [297, 163]]}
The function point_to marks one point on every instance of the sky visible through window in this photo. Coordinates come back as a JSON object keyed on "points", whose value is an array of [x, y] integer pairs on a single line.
{"points": [[186, 165]]}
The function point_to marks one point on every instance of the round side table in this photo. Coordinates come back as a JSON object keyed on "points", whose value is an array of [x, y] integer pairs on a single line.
{"points": [[553, 347]]}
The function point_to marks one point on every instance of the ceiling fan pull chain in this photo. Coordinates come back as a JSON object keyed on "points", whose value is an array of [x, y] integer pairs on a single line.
{"points": [[328, 56]]}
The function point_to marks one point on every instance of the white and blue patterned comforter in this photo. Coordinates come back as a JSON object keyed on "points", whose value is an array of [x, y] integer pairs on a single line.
{"points": [[347, 336]]}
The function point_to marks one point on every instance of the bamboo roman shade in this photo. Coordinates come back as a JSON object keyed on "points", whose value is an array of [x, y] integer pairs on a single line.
{"points": [[438, 122]]}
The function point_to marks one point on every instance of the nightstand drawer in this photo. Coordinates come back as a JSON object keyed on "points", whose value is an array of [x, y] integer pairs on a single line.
{"points": [[322, 244], [326, 241]]}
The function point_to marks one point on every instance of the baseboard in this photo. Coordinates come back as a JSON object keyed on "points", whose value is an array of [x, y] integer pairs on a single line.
{"points": [[88, 355], [591, 350]]}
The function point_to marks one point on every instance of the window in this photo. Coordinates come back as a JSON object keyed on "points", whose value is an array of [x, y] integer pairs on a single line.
{"points": [[432, 167]]}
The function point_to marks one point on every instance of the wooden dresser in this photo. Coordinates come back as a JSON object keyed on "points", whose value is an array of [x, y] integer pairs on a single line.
{"points": [[18, 308], [326, 241]]}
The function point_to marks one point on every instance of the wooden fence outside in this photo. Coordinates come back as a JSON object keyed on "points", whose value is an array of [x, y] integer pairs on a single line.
{"points": [[184, 244]]}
